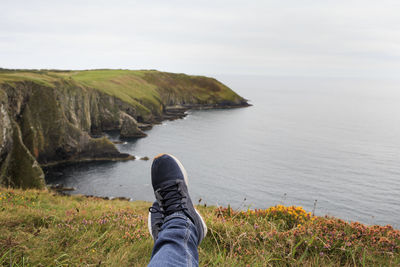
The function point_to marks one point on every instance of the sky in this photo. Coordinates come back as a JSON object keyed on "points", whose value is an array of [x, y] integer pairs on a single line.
{"points": [[344, 38]]}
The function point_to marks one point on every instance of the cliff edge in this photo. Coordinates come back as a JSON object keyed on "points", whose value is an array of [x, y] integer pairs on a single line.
{"points": [[49, 117]]}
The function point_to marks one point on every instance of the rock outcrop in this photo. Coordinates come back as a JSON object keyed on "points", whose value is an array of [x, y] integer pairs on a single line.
{"points": [[5, 127], [51, 117], [129, 127], [21, 169]]}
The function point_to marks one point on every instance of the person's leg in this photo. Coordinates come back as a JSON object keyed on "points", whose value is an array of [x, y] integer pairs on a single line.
{"points": [[177, 228], [176, 244]]}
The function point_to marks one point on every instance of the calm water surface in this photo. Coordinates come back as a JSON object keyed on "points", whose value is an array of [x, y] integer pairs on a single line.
{"points": [[330, 140]]}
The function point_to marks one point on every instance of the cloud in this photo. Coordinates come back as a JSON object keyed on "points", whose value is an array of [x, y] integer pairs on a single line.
{"points": [[350, 38]]}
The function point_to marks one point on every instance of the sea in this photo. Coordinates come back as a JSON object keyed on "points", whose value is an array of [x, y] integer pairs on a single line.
{"points": [[330, 145]]}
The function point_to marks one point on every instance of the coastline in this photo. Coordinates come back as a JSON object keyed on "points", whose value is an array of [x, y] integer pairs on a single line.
{"points": [[51, 117], [171, 113]]}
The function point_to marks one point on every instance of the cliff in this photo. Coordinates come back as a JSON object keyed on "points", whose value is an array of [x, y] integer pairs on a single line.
{"points": [[48, 117]]}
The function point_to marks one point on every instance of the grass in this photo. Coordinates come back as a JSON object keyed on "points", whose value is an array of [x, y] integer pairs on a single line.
{"points": [[146, 90], [123, 84], [205, 89], [39, 228], [21, 76]]}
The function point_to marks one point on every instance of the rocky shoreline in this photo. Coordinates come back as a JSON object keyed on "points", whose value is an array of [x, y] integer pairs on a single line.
{"points": [[49, 118], [171, 113], [60, 189]]}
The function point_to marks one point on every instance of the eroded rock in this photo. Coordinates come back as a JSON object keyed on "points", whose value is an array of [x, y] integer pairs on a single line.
{"points": [[129, 127], [20, 168]]}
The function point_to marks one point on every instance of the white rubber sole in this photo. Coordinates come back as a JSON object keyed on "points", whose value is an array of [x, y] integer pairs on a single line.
{"points": [[149, 225], [185, 177], [202, 223]]}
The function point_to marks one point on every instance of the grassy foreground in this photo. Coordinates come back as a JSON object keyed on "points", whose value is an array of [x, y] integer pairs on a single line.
{"points": [[39, 228]]}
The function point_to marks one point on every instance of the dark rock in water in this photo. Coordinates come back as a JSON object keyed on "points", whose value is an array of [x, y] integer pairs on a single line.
{"points": [[176, 109], [109, 198], [61, 187], [174, 112], [144, 126], [121, 198], [118, 142], [105, 158], [68, 189], [144, 158], [174, 116], [129, 128], [96, 197], [100, 148]]}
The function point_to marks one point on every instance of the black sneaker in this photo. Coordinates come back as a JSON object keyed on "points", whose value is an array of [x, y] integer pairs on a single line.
{"points": [[169, 179]]}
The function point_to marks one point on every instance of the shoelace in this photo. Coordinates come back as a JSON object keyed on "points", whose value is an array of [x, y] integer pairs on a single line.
{"points": [[171, 201], [154, 210]]}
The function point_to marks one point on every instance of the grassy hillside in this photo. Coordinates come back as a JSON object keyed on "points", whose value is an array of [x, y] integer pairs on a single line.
{"points": [[38, 228], [143, 88]]}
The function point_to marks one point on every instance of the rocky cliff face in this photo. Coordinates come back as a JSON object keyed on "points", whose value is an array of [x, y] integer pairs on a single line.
{"points": [[52, 117]]}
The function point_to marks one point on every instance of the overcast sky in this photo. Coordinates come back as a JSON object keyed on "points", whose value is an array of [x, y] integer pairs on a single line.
{"points": [[280, 37]]}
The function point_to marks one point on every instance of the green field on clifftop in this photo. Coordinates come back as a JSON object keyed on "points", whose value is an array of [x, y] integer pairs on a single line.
{"points": [[144, 88], [40, 228]]}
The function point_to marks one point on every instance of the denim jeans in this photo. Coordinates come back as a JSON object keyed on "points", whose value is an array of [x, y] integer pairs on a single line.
{"points": [[176, 244]]}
